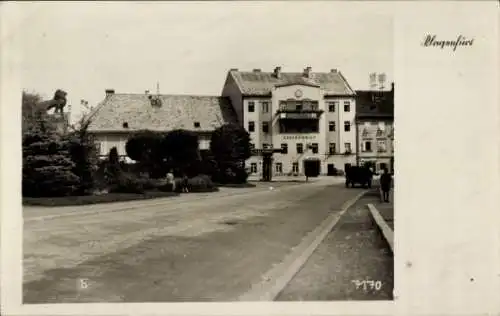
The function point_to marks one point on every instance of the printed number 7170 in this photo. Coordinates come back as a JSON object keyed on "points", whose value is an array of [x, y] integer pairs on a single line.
{"points": [[367, 284]]}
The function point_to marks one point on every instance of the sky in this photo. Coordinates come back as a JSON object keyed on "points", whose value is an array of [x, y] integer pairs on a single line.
{"points": [[85, 48]]}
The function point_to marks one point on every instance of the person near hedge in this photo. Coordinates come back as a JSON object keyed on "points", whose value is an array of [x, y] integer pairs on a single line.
{"points": [[170, 180], [385, 184], [185, 184]]}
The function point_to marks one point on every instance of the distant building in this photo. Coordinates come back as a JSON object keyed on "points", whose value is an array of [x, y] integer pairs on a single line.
{"points": [[121, 114], [310, 115], [375, 128]]}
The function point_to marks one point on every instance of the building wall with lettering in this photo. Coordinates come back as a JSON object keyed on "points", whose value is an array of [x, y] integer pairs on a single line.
{"points": [[323, 138]]}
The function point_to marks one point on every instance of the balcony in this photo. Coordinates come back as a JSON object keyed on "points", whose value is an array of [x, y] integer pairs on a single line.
{"points": [[299, 110]]}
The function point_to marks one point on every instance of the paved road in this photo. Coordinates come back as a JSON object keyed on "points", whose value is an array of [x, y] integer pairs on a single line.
{"points": [[192, 248]]}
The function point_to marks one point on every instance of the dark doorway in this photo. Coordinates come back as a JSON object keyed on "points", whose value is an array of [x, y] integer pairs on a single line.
{"points": [[312, 167], [347, 166], [383, 166], [331, 169], [267, 162]]}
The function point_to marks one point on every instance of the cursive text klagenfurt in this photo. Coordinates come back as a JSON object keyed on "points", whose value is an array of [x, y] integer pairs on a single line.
{"points": [[461, 41]]}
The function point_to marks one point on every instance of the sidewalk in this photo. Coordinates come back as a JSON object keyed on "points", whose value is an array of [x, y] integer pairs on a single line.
{"points": [[387, 210]]}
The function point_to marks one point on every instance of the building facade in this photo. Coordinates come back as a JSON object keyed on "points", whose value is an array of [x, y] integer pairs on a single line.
{"points": [[309, 115], [375, 129], [119, 115]]}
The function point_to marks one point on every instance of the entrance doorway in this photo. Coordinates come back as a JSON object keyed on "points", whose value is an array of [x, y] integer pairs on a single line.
{"points": [[330, 169], [312, 167]]}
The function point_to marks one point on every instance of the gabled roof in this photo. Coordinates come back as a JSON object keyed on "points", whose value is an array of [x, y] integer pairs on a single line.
{"points": [[374, 104], [175, 112], [260, 83]]}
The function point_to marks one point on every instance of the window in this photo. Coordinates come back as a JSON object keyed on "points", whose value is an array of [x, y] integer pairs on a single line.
{"points": [[284, 148], [381, 146], [295, 167], [298, 106], [368, 146], [125, 124], [332, 148], [331, 126], [381, 126], [196, 124], [252, 146], [347, 126], [347, 147], [367, 124], [251, 106], [251, 126], [265, 127], [265, 107], [253, 167], [98, 147], [347, 106], [314, 147], [300, 148], [331, 106], [279, 167]]}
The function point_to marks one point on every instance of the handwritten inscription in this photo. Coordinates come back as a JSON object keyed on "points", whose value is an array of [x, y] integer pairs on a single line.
{"points": [[460, 41], [367, 285]]}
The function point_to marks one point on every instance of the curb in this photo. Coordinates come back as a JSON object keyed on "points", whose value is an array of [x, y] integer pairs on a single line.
{"points": [[277, 278], [382, 224]]}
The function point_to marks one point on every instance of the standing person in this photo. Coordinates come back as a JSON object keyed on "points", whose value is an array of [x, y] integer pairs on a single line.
{"points": [[385, 184], [170, 180], [185, 184]]}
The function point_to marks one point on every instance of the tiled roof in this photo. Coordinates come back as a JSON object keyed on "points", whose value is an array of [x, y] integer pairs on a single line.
{"points": [[375, 104], [175, 111], [261, 83]]}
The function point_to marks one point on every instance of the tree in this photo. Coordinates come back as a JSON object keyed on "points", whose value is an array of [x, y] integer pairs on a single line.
{"points": [[47, 164], [181, 150], [230, 146], [145, 147], [29, 110], [230, 142], [84, 155]]}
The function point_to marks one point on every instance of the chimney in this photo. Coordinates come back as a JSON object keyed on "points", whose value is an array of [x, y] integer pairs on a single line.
{"points": [[257, 70], [109, 92], [307, 72], [392, 87], [233, 69], [277, 72], [333, 71]]}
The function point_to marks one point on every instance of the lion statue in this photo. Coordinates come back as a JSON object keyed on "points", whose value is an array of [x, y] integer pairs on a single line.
{"points": [[58, 102]]}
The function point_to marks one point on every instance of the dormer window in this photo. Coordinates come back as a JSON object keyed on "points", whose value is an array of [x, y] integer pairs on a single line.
{"points": [[196, 124], [125, 124], [155, 101]]}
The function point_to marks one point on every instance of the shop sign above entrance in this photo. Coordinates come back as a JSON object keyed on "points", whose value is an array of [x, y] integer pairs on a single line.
{"points": [[297, 137]]}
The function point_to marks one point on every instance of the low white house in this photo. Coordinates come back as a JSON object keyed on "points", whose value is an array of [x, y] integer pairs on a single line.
{"points": [[121, 114]]}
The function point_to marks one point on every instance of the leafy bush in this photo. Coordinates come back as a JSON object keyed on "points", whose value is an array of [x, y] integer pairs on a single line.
{"points": [[201, 183], [127, 183]]}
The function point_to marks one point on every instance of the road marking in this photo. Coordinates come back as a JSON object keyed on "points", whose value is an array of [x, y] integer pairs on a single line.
{"points": [[278, 277], [382, 224]]}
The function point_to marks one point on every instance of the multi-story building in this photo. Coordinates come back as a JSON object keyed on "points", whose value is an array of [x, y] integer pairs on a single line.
{"points": [[310, 115], [121, 114], [375, 128]]}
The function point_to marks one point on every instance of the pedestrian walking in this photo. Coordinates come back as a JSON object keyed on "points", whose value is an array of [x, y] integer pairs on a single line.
{"points": [[385, 184], [171, 180]]}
